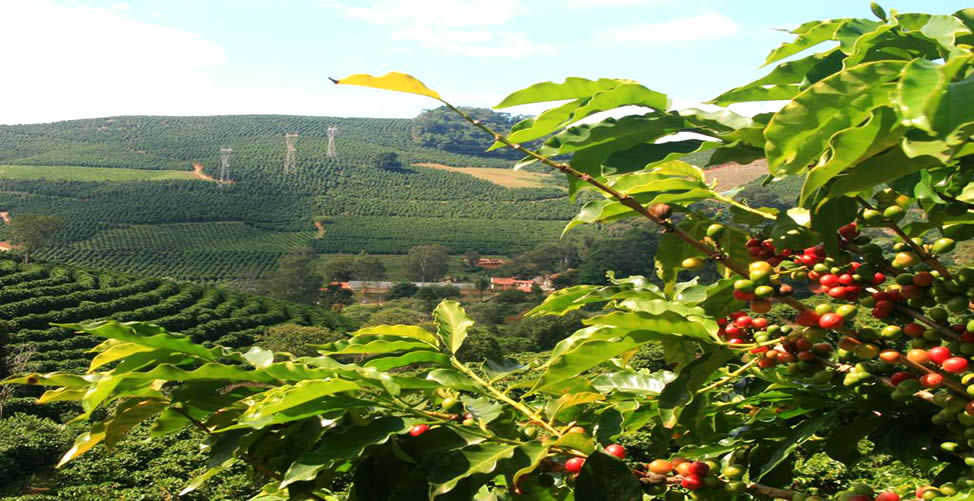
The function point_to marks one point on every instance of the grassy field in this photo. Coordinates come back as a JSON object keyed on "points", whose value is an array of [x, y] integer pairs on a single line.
{"points": [[56, 172], [507, 178]]}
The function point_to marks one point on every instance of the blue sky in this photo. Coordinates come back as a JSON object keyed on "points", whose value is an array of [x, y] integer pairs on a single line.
{"points": [[78, 59]]}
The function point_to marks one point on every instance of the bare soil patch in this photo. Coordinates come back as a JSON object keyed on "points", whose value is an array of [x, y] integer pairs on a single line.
{"points": [[730, 176], [507, 178]]}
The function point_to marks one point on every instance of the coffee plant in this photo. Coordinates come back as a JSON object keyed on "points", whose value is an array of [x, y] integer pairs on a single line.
{"points": [[877, 126]]}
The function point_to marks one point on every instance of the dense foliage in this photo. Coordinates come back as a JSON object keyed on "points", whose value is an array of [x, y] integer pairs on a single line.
{"points": [[877, 126], [439, 128]]}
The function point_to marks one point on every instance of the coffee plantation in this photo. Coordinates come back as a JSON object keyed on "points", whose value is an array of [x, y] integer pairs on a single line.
{"points": [[874, 368]]}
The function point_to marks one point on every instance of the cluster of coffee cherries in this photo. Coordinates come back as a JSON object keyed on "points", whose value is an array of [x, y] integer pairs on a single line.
{"points": [[740, 328], [695, 475], [760, 286]]}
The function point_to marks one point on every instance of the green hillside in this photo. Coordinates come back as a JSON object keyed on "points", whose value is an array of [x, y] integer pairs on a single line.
{"points": [[34, 296], [174, 224]]}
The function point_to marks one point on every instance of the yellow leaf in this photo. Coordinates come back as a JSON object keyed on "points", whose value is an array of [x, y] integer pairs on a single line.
{"points": [[393, 80], [84, 443]]}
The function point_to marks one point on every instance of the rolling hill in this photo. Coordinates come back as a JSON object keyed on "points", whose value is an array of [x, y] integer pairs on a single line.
{"points": [[126, 189]]}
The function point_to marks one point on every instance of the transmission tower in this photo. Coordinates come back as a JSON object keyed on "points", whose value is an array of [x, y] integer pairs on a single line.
{"points": [[290, 154], [225, 164], [331, 141]]}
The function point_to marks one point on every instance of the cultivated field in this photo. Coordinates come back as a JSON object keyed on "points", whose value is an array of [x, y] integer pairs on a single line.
{"points": [[507, 178], [731, 176], [63, 173]]}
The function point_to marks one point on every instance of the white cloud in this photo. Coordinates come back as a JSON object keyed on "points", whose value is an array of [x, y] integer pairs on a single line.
{"points": [[473, 43], [614, 3], [80, 62], [453, 26], [703, 27], [121, 6], [444, 13]]}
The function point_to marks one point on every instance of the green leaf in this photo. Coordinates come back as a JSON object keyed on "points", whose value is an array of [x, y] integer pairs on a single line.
{"points": [[496, 368], [849, 147], [115, 352], [392, 344], [452, 379], [843, 442], [691, 377], [809, 35], [879, 170], [408, 331], [571, 88], [798, 436], [569, 400], [462, 463], [534, 452], [674, 321], [606, 478], [580, 442], [145, 335], [919, 92], [828, 217], [452, 324], [481, 408], [799, 134], [127, 415], [625, 94], [344, 445], [572, 298], [411, 358], [610, 336], [877, 10], [259, 357], [781, 84], [532, 490], [84, 443], [720, 300], [639, 383], [270, 402]]}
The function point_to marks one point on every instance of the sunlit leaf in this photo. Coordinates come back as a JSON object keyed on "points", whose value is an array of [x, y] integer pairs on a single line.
{"points": [[452, 324], [798, 134], [393, 80]]}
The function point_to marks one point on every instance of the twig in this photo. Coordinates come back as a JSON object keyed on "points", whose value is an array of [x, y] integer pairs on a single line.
{"points": [[924, 255]]}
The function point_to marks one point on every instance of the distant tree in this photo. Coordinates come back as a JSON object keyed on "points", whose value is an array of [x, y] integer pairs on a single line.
{"points": [[397, 316], [629, 254], [401, 290], [441, 129], [471, 258], [339, 268], [368, 268], [547, 258], [33, 231], [565, 279], [296, 338], [513, 296], [4, 343], [334, 295], [427, 263], [294, 280], [436, 293], [483, 283], [387, 161]]}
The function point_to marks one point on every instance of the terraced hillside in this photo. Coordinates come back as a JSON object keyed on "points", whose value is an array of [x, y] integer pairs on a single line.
{"points": [[34, 296], [270, 212]]}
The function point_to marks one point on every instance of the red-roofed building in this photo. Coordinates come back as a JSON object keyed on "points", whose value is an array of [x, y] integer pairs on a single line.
{"points": [[507, 283]]}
